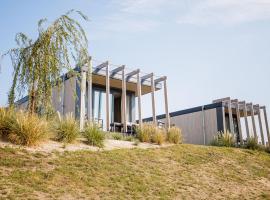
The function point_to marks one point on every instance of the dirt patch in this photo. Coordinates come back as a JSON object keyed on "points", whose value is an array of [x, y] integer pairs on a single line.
{"points": [[109, 144]]}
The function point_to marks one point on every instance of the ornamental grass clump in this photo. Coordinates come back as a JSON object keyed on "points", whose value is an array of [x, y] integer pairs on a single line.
{"points": [[224, 139], [151, 133], [252, 143], [174, 135], [159, 136], [66, 129], [29, 130], [94, 135], [145, 132], [7, 117]]}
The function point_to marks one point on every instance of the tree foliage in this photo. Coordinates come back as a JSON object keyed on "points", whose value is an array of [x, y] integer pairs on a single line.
{"points": [[38, 64]]}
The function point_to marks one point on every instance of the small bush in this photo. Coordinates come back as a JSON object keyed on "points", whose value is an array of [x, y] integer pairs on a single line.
{"points": [[129, 138], [117, 136], [94, 135], [252, 143], [223, 139], [67, 129], [27, 129], [267, 149], [174, 135], [151, 133]]}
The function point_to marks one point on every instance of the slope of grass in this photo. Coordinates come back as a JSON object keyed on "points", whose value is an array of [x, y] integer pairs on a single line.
{"points": [[177, 172]]}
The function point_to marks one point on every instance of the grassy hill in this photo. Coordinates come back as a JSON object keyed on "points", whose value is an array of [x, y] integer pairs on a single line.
{"points": [[176, 172]]}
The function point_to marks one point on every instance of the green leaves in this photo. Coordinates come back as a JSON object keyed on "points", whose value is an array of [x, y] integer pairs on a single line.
{"points": [[39, 63]]}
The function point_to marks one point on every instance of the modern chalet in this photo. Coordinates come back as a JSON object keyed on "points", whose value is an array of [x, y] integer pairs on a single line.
{"points": [[106, 94], [200, 124]]}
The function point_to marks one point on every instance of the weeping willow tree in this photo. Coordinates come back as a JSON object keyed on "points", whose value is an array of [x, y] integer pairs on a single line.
{"points": [[38, 64]]}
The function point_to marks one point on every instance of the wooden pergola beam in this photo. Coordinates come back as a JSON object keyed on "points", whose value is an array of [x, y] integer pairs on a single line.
{"points": [[163, 78], [116, 70], [131, 74], [147, 76], [101, 66]]}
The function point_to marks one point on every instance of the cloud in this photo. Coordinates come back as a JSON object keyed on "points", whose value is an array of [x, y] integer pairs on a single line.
{"points": [[140, 16], [198, 12], [141, 6], [225, 12]]}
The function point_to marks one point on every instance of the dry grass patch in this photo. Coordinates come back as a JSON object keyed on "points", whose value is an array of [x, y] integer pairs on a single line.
{"points": [[176, 172]]}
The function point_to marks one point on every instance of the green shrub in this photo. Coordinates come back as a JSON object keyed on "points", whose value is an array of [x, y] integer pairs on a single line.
{"points": [[66, 129], [174, 135], [94, 135], [27, 129], [149, 132], [252, 143], [223, 139], [267, 149], [129, 138], [117, 136]]}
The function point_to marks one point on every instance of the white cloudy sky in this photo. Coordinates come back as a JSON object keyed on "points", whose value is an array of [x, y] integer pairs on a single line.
{"points": [[207, 48]]}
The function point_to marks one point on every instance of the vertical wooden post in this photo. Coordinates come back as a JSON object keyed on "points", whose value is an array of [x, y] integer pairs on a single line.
{"points": [[224, 120], [246, 119], [89, 110], [139, 91], [63, 97], [266, 124], [166, 104], [108, 98], [260, 124], [124, 101], [99, 104], [153, 100], [230, 117], [239, 122], [82, 106], [253, 121]]}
